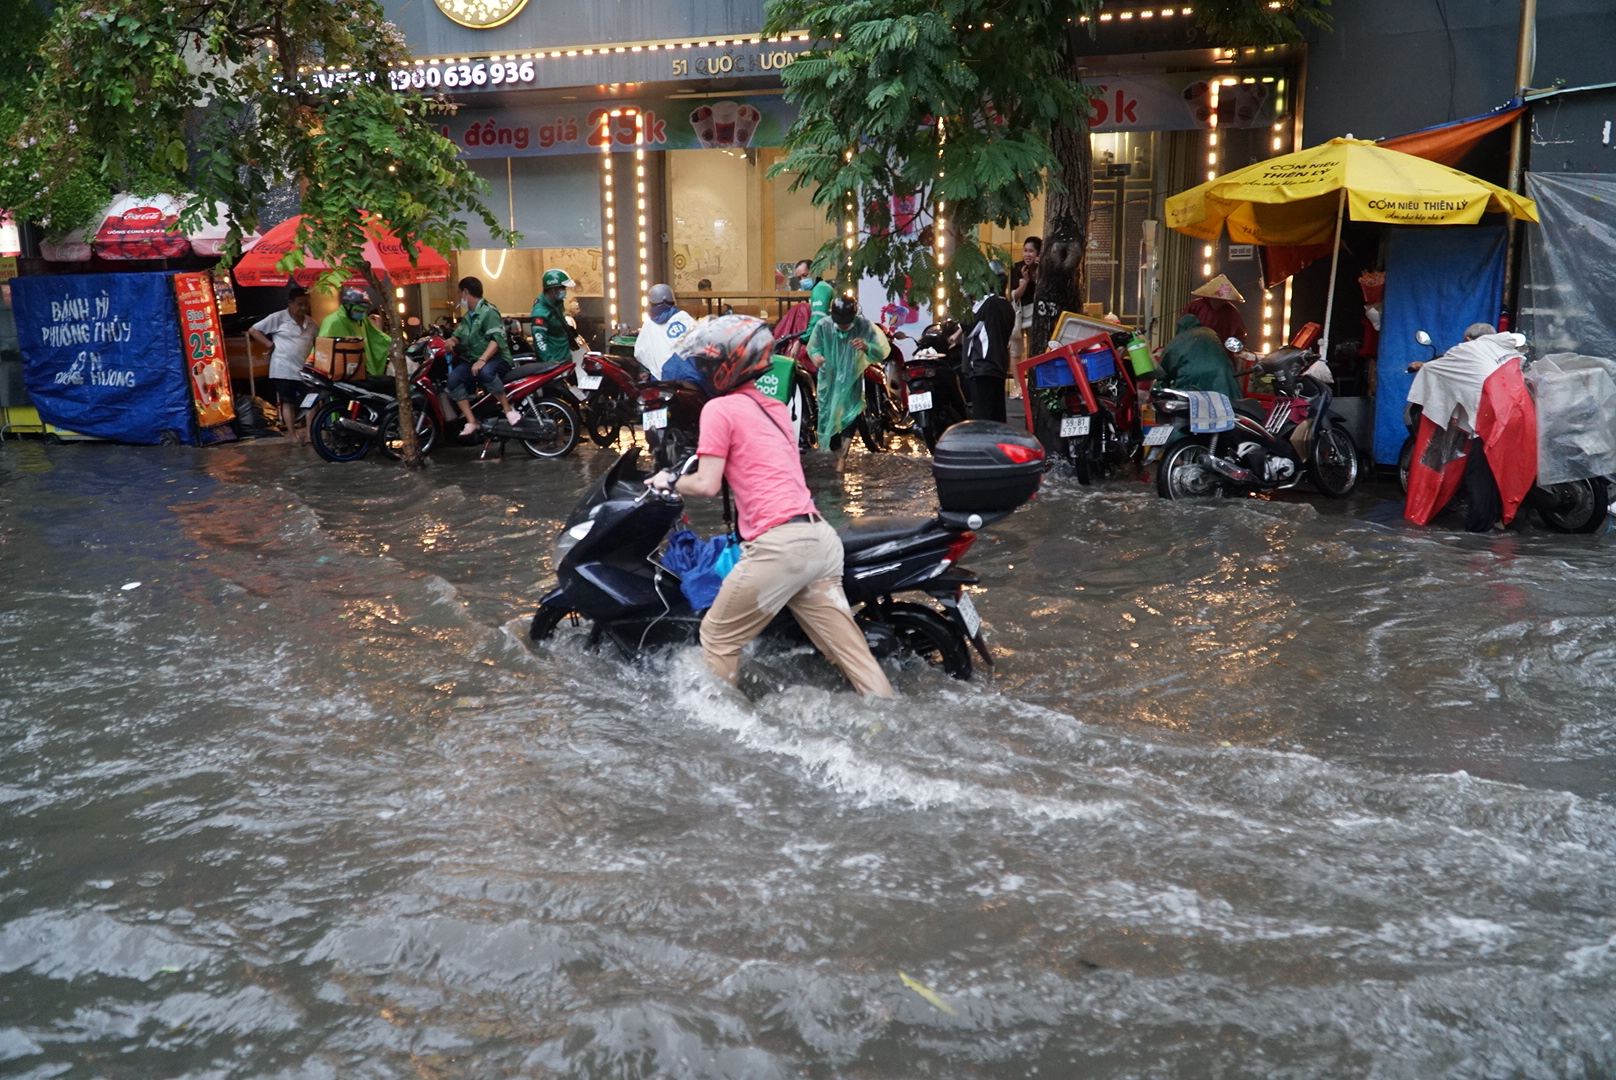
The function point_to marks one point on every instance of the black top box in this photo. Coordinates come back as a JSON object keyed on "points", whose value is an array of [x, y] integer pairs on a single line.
{"points": [[985, 467]]}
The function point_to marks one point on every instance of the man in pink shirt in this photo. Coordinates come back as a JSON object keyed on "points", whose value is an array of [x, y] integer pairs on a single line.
{"points": [[789, 556]]}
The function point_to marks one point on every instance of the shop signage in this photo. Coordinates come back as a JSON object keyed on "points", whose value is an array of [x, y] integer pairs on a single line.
{"points": [[1181, 102], [102, 354], [583, 67], [729, 123], [203, 340]]}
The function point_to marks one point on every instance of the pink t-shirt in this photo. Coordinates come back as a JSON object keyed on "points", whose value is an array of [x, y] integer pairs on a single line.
{"points": [[752, 433]]}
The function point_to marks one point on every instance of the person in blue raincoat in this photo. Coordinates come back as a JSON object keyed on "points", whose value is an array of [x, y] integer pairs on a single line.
{"points": [[843, 344]]}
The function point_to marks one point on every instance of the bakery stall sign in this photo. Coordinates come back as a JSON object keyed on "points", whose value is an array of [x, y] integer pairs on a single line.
{"points": [[481, 14]]}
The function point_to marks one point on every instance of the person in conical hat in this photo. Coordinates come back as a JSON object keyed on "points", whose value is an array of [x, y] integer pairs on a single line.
{"points": [[1214, 304]]}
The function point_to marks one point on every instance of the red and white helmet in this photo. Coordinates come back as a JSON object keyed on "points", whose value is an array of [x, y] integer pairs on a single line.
{"points": [[729, 351]]}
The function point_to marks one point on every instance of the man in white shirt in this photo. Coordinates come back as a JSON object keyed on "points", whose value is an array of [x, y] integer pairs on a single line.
{"points": [[289, 335], [665, 326]]}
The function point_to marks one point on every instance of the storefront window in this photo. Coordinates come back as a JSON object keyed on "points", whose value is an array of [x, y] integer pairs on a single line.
{"points": [[737, 231], [554, 202]]}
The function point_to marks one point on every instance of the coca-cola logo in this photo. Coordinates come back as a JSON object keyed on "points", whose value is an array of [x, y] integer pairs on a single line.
{"points": [[142, 215]]}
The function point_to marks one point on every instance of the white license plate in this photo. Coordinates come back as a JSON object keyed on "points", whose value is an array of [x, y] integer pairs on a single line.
{"points": [[587, 381], [1074, 425], [654, 420], [308, 400], [1158, 435], [920, 402], [967, 610]]}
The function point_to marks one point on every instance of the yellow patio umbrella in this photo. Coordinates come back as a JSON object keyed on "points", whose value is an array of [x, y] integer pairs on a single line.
{"points": [[1302, 198]]}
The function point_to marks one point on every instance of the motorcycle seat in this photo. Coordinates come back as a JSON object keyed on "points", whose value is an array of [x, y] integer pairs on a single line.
{"points": [[870, 532], [1252, 408], [537, 367]]}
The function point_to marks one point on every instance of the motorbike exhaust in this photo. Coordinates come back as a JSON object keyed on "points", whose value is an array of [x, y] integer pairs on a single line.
{"points": [[1230, 470], [358, 426]]}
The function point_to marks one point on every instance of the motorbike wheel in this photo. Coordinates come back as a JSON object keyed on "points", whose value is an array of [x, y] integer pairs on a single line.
{"points": [[925, 633], [545, 621], [566, 418], [391, 442], [808, 410], [899, 419], [332, 441], [602, 418], [873, 420], [1405, 462], [1184, 473], [1577, 506], [1333, 465]]}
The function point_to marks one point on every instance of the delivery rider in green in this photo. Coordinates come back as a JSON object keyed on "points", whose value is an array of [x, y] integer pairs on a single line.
{"points": [[484, 355], [553, 336], [352, 320]]}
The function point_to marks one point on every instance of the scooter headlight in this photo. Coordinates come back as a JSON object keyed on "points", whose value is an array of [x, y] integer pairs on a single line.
{"points": [[570, 538]]}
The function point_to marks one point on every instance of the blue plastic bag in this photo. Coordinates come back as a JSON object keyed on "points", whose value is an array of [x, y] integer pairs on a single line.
{"points": [[696, 562]]}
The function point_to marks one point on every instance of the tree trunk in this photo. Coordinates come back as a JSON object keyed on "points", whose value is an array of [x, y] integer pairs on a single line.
{"points": [[401, 372], [1066, 240]]}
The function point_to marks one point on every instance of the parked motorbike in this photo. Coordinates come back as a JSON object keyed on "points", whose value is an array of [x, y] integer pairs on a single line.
{"points": [[550, 424], [608, 392], [609, 574], [349, 416], [1266, 449], [670, 413], [1094, 399], [1574, 506], [933, 393]]}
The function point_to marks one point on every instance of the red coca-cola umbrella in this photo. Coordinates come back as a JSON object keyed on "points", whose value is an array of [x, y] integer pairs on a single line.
{"points": [[383, 250], [141, 227]]}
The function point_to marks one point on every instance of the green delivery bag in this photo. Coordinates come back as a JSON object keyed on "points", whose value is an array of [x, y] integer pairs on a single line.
{"points": [[777, 381]]}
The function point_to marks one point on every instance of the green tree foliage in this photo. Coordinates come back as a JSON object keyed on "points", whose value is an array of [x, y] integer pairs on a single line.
{"points": [[218, 102], [921, 103], [974, 103]]}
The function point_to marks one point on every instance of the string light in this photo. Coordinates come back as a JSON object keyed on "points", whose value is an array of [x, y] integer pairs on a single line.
{"points": [[639, 173], [939, 249], [609, 197]]}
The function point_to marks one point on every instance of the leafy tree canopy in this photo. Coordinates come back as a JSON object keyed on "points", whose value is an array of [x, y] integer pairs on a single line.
{"points": [[219, 102], [911, 104], [954, 102]]}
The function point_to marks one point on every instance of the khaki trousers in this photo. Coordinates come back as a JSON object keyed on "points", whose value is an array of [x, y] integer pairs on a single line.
{"points": [[796, 565]]}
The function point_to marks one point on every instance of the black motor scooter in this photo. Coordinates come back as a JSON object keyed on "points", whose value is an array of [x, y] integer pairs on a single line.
{"points": [[936, 398], [1259, 452], [606, 560]]}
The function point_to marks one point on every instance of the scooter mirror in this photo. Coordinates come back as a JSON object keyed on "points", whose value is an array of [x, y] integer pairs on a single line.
{"points": [[1422, 337], [1234, 344]]}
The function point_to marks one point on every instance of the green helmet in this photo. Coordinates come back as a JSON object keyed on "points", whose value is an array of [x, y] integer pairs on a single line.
{"points": [[558, 279]]}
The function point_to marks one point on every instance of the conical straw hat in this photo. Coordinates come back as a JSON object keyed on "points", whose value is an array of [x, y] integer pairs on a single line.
{"points": [[1219, 288]]}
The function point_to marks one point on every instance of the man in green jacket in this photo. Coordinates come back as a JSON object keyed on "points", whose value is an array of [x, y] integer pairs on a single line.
{"points": [[486, 357], [821, 294], [553, 337], [352, 320]]}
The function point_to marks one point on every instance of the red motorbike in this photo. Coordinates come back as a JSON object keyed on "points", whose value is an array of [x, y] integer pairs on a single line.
{"points": [[1088, 390], [550, 424], [607, 389]]}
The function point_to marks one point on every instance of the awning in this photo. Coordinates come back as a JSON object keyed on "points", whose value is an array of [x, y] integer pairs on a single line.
{"points": [[1450, 142]]}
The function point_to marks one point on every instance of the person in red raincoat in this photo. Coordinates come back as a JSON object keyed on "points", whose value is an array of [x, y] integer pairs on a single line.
{"points": [[1486, 437]]}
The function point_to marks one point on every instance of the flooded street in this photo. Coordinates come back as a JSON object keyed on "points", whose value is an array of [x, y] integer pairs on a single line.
{"points": [[1266, 788]]}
